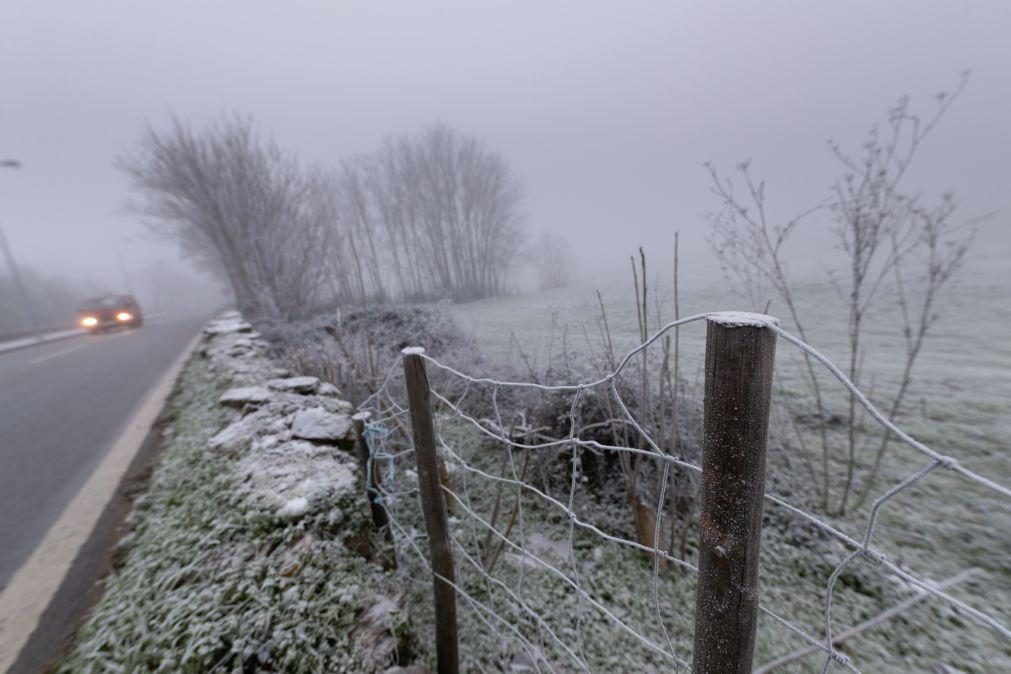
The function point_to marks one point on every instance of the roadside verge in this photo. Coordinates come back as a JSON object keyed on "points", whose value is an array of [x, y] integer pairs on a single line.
{"points": [[251, 547], [32, 588]]}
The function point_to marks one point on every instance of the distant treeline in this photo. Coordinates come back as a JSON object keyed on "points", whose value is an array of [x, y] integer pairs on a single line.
{"points": [[51, 302], [431, 215]]}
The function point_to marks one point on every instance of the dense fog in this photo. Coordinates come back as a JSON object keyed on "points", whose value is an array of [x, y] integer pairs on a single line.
{"points": [[605, 115]]}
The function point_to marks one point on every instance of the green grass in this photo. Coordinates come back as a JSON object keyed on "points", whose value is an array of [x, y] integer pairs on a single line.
{"points": [[209, 580]]}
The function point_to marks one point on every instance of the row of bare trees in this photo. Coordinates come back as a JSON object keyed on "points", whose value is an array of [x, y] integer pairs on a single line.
{"points": [[431, 215], [434, 214]]}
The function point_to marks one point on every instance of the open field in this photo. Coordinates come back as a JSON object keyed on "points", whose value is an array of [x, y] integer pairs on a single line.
{"points": [[960, 405]]}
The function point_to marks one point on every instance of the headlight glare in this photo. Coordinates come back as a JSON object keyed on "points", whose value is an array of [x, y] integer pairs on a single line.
{"points": [[123, 316]]}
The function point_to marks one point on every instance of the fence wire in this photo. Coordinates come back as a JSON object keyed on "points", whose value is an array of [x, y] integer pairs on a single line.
{"points": [[502, 601]]}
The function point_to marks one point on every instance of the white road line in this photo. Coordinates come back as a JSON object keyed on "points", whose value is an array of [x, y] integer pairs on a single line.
{"points": [[14, 345], [42, 359], [33, 586]]}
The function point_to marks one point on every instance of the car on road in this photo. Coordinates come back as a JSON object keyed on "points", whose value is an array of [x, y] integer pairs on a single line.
{"points": [[109, 311]]}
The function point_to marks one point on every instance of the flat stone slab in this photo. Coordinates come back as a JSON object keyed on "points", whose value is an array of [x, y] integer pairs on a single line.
{"points": [[328, 389], [236, 436], [295, 384], [245, 395], [224, 326], [318, 424]]}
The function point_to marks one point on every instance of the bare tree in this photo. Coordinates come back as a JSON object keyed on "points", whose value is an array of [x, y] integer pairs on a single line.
{"points": [[451, 209], [750, 249], [885, 233], [549, 256], [239, 206]]}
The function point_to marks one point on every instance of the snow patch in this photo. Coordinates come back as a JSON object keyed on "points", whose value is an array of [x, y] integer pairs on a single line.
{"points": [[294, 508], [413, 351], [296, 469], [738, 319]]}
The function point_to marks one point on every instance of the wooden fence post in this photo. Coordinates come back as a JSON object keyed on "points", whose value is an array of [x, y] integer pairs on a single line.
{"points": [[740, 350], [371, 478], [433, 505]]}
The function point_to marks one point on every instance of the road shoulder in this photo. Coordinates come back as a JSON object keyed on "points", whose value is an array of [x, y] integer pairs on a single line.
{"points": [[82, 586], [74, 540], [48, 338], [252, 546]]}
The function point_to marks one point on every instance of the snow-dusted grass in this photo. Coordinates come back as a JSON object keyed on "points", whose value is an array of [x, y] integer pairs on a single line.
{"points": [[540, 602], [212, 578], [940, 527], [795, 563], [935, 530]]}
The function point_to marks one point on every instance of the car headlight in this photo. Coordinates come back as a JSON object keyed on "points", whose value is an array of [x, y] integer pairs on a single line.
{"points": [[123, 316], [89, 321]]}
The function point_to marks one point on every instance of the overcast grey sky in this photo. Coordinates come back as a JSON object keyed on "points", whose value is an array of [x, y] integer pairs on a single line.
{"points": [[606, 110]]}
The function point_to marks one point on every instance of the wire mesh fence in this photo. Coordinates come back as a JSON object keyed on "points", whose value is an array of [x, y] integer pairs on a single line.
{"points": [[548, 576]]}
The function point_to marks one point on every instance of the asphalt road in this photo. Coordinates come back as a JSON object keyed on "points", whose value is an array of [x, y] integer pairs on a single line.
{"points": [[62, 406]]}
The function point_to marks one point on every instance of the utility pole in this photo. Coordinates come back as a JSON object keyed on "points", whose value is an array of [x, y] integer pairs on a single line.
{"points": [[19, 285]]}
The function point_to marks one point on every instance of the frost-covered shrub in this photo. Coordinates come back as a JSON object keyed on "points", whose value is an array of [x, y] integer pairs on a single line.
{"points": [[355, 349]]}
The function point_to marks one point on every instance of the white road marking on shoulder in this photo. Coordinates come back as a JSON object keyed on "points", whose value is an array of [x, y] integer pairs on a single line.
{"points": [[33, 586], [42, 359], [14, 345]]}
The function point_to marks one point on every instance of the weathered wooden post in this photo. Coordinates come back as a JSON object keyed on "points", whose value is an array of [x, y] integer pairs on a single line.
{"points": [[740, 349], [433, 505], [371, 478]]}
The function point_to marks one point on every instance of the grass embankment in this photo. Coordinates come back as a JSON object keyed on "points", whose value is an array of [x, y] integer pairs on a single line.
{"points": [[935, 530], [212, 579], [795, 563]]}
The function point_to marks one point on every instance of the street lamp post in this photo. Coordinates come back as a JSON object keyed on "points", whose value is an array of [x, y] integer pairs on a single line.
{"points": [[19, 285]]}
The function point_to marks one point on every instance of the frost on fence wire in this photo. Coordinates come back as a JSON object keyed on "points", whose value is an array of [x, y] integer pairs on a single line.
{"points": [[544, 580]]}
